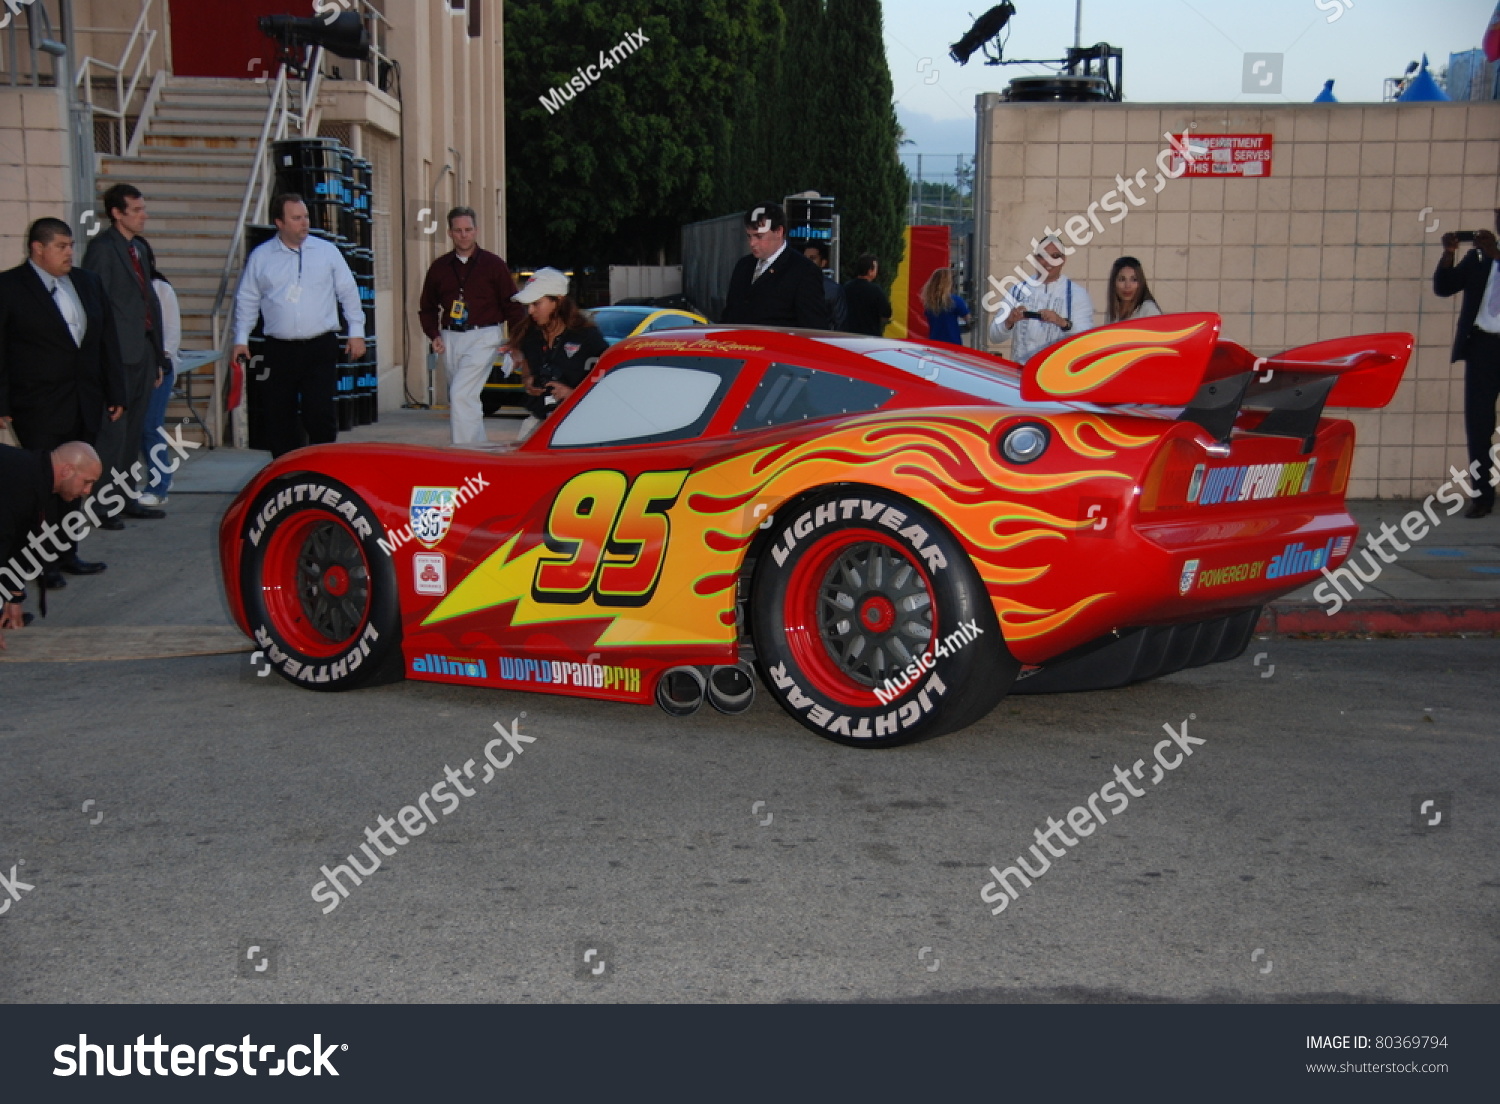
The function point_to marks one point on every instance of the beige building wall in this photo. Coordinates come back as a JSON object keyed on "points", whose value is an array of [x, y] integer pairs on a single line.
{"points": [[34, 151], [1336, 241], [441, 144]]}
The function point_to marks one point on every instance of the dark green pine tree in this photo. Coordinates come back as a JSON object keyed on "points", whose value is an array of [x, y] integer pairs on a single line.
{"points": [[858, 132]]}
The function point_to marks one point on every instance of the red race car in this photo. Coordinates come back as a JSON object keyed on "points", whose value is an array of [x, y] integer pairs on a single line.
{"points": [[893, 534]]}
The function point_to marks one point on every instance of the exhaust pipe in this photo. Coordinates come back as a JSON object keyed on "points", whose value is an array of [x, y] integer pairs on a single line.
{"points": [[731, 688], [680, 691]]}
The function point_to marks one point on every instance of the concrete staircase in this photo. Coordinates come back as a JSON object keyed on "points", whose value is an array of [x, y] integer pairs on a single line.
{"points": [[194, 164]]}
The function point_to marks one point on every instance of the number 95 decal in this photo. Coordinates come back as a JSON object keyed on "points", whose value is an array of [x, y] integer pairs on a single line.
{"points": [[609, 538]]}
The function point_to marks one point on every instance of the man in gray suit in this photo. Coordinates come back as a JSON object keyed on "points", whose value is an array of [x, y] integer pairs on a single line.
{"points": [[123, 261]]}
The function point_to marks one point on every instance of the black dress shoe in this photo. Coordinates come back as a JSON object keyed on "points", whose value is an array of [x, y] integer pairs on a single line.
{"points": [[134, 511], [74, 566], [111, 523], [53, 580], [1479, 509]]}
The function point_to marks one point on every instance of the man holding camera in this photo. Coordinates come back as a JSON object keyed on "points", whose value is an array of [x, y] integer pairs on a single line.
{"points": [[1477, 344], [1046, 311]]}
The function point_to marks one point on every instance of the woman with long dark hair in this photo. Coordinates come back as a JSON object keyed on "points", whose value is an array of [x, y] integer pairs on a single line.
{"points": [[945, 310], [1129, 297], [556, 343]]}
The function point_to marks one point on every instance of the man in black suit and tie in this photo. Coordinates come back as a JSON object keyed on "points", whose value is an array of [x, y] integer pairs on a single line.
{"points": [[1477, 344], [774, 285], [123, 261], [60, 373]]}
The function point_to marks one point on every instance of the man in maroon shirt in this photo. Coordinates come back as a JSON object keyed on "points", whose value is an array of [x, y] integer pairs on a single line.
{"points": [[466, 295]]}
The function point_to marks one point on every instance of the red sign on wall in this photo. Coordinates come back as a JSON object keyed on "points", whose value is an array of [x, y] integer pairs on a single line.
{"points": [[1230, 155]]}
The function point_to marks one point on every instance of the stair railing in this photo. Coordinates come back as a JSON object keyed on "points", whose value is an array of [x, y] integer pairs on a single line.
{"points": [[138, 47]]}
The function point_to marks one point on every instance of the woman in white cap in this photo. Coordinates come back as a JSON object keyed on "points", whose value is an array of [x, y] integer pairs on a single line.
{"points": [[556, 344]]}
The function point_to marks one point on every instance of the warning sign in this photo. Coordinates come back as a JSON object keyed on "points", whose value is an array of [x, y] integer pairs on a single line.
{"points": [[1231, 155]]}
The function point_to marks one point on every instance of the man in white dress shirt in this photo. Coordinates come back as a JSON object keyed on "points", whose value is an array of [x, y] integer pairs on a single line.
{"points": [[296, 284], [1047, 311]]}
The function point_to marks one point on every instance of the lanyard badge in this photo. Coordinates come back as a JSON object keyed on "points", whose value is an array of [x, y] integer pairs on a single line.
{"points": [[458, 313]]}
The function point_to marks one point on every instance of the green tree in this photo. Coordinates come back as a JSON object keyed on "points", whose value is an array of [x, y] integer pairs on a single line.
{"points": [[863, 170], [728, 102]]}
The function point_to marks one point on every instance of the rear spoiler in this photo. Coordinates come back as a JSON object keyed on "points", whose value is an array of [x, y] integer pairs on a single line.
{"points": [[1178, 360]]}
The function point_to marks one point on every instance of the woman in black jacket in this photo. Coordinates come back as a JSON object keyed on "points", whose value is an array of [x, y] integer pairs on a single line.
{"points": [[557, 345]]}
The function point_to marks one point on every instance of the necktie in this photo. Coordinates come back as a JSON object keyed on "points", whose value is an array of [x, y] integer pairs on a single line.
{"points": [[140, 278], [1494, 307], [68, 311], [760, 270]]}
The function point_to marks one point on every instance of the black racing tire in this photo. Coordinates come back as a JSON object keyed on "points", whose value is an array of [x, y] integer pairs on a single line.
{"points": [[319, 592], [853, 586]]}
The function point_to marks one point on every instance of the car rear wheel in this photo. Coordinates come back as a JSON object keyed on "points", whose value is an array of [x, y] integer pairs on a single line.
{"points": [[871, 626], [319, 593]]}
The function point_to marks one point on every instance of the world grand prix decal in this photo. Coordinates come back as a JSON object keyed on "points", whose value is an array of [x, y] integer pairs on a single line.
{"points": [[654, 557]]}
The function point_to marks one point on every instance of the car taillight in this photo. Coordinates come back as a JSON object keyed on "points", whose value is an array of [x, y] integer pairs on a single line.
{"points": [[1174, 478], [1342, 465]]}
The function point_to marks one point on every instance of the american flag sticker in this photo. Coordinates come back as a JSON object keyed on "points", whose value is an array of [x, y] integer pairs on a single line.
{"points": [[1341, 546]]}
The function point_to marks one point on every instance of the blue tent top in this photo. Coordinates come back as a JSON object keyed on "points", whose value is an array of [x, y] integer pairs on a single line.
{"points": [[1423, 89], [1326, 96]]}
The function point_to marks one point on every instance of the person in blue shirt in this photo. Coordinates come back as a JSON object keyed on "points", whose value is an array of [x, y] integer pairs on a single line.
{"points": [[945, 311]]}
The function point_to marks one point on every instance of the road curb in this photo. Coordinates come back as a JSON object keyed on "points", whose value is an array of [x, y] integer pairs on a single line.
{"points": [[1381, 617]]}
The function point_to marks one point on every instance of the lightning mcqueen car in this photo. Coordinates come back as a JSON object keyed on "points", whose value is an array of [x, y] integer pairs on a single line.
{"points": [[893, 535]]}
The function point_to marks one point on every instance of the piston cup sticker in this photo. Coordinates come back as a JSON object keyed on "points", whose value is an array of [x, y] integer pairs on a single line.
{"points": [[432, 514]]}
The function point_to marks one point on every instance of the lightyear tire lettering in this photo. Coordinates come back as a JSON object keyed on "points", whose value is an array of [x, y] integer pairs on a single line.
{"points": [[319, 593], [861, 586]]}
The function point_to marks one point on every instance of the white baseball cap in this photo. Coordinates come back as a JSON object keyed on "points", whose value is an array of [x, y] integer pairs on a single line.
{"points": [[544, 281]]}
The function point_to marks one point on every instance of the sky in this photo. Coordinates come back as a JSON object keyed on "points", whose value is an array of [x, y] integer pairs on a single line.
{"points": [[1175, 51]]}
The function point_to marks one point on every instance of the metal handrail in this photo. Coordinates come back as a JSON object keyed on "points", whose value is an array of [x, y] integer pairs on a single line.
{"points": [[123, 95], [279, 117]]}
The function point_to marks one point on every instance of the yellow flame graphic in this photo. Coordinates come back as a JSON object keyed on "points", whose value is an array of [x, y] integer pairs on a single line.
{"points": [[945, 460], [1058, 376]]}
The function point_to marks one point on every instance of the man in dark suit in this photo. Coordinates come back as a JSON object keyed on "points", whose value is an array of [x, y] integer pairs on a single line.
{"points": [[1477, 344], [774, 285], [123, 261], [60, 374]]}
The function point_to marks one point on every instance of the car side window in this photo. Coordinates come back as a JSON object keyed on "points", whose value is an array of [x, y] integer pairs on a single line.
{"points": [[671, 322], [648, 401], [788, 393]]}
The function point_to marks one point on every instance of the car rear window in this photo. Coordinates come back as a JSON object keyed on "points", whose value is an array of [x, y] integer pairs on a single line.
{"points": [[789, 393]]}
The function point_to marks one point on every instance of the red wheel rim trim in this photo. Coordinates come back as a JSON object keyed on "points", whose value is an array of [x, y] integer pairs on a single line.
{"points": [[315, 583], [801, 607]]}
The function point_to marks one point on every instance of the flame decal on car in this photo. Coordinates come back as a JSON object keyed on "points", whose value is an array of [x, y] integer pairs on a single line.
{"points": [[947, 461], [1093, 359]]}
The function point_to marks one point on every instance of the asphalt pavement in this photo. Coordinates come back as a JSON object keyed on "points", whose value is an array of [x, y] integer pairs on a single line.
{"points": [[166, 817]]}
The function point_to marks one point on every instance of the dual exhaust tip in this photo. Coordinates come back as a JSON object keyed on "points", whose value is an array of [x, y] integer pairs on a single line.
{"points": [[729, 688]]}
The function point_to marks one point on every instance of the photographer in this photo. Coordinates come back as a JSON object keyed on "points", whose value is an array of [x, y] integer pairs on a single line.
{"points": [[1048, 310], [1477, 344], [556, 343]]}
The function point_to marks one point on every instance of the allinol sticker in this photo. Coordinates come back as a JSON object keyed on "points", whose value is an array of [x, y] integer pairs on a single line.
{"points": [[430, 573]]}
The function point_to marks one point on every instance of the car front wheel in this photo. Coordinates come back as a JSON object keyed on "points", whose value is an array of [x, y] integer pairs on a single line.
{"points": [[319, 592]]}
